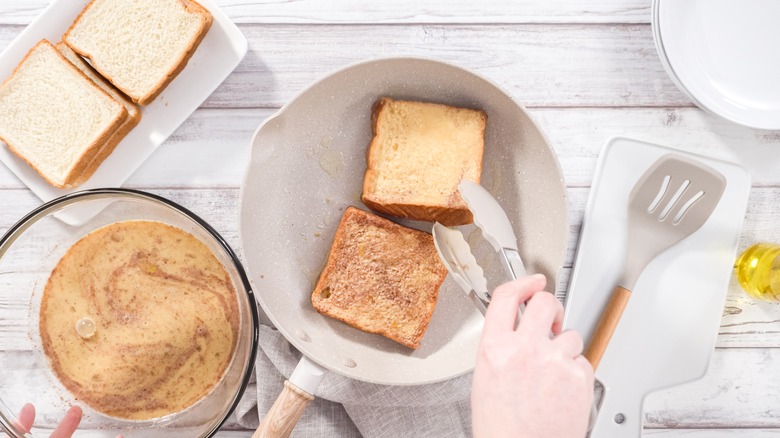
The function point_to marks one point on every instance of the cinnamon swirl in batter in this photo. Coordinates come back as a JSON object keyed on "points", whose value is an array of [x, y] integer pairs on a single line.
{"points": [[165, 319]]}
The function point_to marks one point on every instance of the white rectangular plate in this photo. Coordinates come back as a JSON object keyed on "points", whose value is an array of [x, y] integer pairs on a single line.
{"points": [[217, 56]]}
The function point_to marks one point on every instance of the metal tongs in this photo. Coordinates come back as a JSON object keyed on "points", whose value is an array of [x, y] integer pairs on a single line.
{"points": [[496, 228], [456, 254]]}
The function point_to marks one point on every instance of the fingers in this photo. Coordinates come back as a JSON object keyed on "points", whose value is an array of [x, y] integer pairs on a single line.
{"points": [[69, 423], [587, 368], [505, 302], [65, 429], [569, 342], [543, 313], [26, 417]]}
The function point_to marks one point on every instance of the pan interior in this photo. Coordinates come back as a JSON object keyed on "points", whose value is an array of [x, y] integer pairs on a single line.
{"points": [[307, 166]]}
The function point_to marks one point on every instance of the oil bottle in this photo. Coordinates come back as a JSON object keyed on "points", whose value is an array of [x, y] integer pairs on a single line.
{"points": [[758, 271]]}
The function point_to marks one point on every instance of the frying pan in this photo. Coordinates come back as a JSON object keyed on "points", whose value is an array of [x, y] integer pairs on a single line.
{"points": [[306, 166]]}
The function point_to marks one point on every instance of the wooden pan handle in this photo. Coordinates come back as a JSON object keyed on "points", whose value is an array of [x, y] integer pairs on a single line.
{"points": [[606, 326], [281, 419]]}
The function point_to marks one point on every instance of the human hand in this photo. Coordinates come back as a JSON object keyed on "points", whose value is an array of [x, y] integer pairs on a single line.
{"points": [[65, 429], [525, 383]]}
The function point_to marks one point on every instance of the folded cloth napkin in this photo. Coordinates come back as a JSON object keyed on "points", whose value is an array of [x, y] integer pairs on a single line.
{"points": [[344, 407]]}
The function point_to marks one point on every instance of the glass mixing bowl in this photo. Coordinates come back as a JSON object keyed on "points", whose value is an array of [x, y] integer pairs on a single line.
{"points": [[28, 253]]}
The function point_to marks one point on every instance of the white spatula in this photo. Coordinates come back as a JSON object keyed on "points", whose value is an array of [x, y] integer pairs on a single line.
{"points": [[672, 200]]}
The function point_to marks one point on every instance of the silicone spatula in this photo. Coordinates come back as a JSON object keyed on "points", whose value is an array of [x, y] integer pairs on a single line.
{"points": [[671, 200]]}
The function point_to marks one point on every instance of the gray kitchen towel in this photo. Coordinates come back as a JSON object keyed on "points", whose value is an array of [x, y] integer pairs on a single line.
{"points": [[344, 407]]}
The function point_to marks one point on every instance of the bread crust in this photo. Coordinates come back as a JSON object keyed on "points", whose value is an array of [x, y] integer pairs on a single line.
{"points": [[191, 6], [448, 216], [91, 150], [108, 148], [207, 20], [456, 211], [133, 118], [390, 290]]}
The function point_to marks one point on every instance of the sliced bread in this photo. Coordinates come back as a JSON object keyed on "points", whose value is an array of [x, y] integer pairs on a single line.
{"points": [[140, 46], [54, 117], [419, 154], [380, 277], [133, 112]]}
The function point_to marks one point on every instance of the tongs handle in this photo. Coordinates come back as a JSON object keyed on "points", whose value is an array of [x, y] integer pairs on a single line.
{"points": [[479, 303], [513, 264]]}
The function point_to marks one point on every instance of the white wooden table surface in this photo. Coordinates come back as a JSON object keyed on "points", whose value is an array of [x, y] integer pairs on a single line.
{"points": [[586, 70]]}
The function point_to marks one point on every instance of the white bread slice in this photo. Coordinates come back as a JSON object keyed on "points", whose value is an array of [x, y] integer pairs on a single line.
{"points": [[419, 155], [140, 46], [54, 117], [133, 112]]}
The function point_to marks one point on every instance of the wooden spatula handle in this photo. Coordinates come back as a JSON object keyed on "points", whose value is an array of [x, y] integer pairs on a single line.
{"points": [[281, 419], [606, 326]]}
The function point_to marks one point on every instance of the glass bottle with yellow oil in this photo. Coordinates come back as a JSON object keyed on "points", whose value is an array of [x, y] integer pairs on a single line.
{"points": [[758, 271]]}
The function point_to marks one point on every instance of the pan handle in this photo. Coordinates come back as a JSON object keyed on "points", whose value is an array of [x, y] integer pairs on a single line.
{"points": [[281, 419]]}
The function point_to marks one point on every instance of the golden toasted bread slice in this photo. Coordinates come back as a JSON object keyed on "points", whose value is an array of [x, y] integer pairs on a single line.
{"points": [[419, 154], [380, 277]]}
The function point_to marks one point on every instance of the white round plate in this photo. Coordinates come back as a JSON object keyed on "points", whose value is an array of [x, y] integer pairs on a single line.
{"points": [[725, 55]]}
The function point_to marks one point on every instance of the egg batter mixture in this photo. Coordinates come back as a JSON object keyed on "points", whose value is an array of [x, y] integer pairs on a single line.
{"points": [[139, 320]]}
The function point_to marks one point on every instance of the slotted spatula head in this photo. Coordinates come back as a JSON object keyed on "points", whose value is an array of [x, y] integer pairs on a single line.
{"points": [[672, 200]]}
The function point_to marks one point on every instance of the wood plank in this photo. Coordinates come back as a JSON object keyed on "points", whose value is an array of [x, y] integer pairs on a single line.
{"points": [[746, 323], [401, 11], [656, 433], [456, 11], [87, 433], [540, 65], [711, 433], [217, 207], [210, 149], [214, 144], [221, 139], [737, 392], [579, 134], [762, 222]]}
